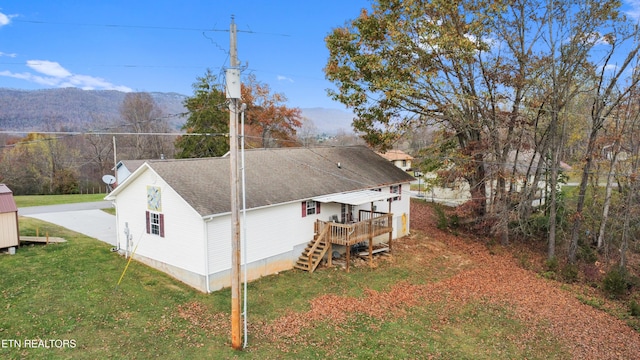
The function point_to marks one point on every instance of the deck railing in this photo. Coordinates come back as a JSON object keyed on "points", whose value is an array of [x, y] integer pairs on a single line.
{"points": [[349, 234]]}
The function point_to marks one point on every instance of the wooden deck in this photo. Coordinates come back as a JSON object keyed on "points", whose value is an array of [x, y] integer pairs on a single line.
{"points": [[328, 233], [41, 239], [363, 230]]}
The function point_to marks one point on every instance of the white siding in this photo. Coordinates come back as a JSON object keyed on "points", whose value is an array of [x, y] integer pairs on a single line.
{"points": [[277, 235], [183, 243], [269, 232], [122, 173]]}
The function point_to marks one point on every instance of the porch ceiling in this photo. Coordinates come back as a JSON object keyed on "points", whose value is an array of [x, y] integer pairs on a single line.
{"points": [[355, 197]]}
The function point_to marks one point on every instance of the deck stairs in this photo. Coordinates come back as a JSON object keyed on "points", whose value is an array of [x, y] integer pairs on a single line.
{"points": [[314, 252]]}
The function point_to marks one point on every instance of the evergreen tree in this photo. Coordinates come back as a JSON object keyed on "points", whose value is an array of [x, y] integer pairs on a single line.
{"points": [[208, 118]]}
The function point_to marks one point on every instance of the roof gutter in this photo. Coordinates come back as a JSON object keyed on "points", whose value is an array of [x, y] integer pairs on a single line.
{"points": [[212, 216]]}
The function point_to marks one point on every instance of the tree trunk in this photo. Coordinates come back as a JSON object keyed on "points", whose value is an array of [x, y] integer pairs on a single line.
{"points": [[577, 218], [607, 200]]}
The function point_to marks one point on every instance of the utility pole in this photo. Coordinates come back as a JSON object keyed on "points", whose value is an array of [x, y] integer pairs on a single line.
{"points": [[233, 94], [115, 161]]}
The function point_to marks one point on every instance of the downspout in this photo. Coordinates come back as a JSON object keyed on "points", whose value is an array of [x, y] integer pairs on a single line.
{"points": [[118, 242], [206, 253]]}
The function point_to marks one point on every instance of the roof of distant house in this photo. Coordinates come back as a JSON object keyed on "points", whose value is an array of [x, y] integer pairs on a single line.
{"points": [[7, 203], [132, 165], [275, 176], [393, 155]]}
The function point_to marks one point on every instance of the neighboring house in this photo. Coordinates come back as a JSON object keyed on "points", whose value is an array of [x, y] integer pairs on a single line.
{"points": [[9, 231], [175, 214], [399, 158], [457, 191], [124, 168]]}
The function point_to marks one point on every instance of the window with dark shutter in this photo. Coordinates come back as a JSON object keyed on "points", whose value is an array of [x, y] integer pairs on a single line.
{"points": [[161, 225], [155, 223], [310, 208]]}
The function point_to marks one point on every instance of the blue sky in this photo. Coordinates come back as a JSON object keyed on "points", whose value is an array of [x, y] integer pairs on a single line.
{"points": [[162, 45]]}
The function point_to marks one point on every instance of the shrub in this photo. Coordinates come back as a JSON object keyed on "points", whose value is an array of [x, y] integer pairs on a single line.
{"points": [[570, 273], [633, 282], [592, 274], [552, 264], [634, 308], [586, 253], [615, 282], [444, 220]]}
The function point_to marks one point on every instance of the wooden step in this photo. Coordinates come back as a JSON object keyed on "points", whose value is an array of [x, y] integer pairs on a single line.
{"points": [[313, 253]]}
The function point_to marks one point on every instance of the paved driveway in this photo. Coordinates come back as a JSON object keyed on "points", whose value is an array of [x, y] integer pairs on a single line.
{"points": [[84, 218]]}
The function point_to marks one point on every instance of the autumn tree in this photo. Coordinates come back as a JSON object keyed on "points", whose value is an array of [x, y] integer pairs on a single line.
{"points": [[40, 164], [141, 116], [496, 76], [421, 62], [268, 115], [208, 122], [607, 95]]}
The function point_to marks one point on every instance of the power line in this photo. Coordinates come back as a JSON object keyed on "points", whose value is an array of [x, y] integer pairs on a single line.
{"points": [[150, 27], [147, 27]]}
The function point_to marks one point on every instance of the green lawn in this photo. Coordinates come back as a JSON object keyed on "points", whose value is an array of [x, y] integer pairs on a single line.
{"points": [[39, 200], [68, 292]]}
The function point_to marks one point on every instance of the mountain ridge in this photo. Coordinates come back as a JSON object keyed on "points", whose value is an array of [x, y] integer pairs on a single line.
{"points": [[75, 109]]}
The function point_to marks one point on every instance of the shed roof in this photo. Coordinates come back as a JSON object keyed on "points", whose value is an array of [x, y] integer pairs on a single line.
{"points": [[7, 203], [275, 176]]}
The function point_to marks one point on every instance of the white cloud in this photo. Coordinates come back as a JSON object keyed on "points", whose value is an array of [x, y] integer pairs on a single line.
{"points": [[51, 73], [284, 78], [8, 55], [634, 9], [50, 68], [5, 19]]}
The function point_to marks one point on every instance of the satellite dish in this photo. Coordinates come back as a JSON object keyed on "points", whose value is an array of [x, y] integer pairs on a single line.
{"points": [[109, 179]]}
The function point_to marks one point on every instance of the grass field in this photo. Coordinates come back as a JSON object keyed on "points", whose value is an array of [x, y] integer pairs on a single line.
{"points": [[69, 292], [40, 200]]}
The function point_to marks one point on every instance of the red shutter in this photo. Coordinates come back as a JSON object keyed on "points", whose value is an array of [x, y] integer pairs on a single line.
{"points": [[317, 207], [148, 223], [304, 208], [161, 225]]}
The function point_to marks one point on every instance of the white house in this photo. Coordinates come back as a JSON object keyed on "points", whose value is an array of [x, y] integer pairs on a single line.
{"points": [[175, 214], [457, 191], [399, 158], [124, 168]]}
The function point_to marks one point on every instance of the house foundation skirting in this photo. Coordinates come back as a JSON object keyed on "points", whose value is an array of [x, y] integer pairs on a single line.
{"points": [[222, 279], [257, 269], [190, 278]]}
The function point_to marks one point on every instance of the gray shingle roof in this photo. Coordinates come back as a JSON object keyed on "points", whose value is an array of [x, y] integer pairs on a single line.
{"points": [[278, 176]]}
